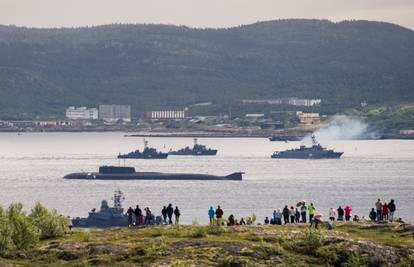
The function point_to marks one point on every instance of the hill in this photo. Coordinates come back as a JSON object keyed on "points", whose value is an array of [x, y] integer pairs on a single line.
{"points": [[42, 71]]}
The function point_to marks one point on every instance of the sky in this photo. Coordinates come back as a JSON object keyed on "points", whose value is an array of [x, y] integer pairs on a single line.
{"points": [[197, 13]]}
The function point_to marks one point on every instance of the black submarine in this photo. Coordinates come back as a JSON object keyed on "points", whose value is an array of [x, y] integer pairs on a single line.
{"points": [[129, 173]]}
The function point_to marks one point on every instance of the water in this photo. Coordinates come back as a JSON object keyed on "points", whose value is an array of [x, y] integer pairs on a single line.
{"points": [[32, 166]]}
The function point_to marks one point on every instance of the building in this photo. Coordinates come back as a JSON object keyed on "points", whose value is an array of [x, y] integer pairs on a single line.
{"points": [[115, 113], [167, 115], [82, 113], [293, 101], [254, 116], [51, 123], [308, 118]]}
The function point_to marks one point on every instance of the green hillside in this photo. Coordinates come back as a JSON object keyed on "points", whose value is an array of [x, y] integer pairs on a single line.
{"points": [[42, 71]]}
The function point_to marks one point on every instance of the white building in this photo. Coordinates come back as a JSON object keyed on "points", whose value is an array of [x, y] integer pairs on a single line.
{"points": [[114, 113], [168, 115], [82, 113], [308, 118]]}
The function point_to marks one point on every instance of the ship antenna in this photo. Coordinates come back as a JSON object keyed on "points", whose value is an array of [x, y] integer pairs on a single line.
{"points": [[195, 140], [145, 143], [314, 142]]}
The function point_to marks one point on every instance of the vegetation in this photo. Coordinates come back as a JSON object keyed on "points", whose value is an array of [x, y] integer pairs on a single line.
{"points": [[347, 244], [43, 71]]}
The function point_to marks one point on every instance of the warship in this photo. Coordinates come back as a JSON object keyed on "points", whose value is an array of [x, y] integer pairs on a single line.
{"points": [[107, 216], [129, 173], [316, 151], [147, 153], [196, 150]]}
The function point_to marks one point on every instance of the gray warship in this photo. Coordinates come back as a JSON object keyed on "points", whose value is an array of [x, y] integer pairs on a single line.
{"points": [[196, 150], [107, 216], [147, 153], [316, 151]]}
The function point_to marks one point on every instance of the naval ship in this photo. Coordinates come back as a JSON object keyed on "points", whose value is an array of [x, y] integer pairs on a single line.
{"points": [[196, 150], [316, 151], [147, 153], [107, 216], [129, 173]]}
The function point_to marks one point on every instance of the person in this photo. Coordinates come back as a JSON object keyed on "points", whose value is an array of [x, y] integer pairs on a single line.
{"points": [[297, 216], [392, 208], [266, 221], [242, 222], [356, 218], [138, 215], [164, 214], [385, 211], [292, 214], [378, 205], [277, 217], [170, 212], [348, 211], [373, 215], [148, 216], [230, 220], [303, 209], [177, 215], [219, 215], [286, 214], [211, 214], [340, 213], [70, 224], [332, 214], [311, 210], [130, 211]]}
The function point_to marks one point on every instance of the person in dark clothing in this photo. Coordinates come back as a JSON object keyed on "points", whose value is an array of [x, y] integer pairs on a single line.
{"points": [[138, 214], [242, 221], [230, 220], [177, 215], [285, 213], [219, 215], [266, 221], [130, 211], [292, 214], [170, 212], [340, 213], [297, 216], [373, 215], [392, 208], [164, 214]]}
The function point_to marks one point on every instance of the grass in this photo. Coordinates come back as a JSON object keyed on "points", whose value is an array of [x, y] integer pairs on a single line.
{"points": [[218, 246]]}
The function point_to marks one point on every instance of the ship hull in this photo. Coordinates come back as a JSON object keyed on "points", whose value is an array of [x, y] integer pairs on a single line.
{"points": [[194, 153], [307, 155], [159, 156], [237, 176]]}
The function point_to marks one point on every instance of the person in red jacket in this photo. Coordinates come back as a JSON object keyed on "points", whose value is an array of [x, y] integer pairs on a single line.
{"points": [[348, 211], [385, 211]]}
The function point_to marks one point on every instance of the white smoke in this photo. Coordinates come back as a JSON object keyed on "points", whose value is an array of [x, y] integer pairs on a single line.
{"points": [[342, 128]]}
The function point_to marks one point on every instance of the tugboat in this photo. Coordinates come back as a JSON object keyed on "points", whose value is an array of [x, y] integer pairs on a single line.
{"points": [[129, 173], [197, 150], [107, 216], [316, 151], [147, 153]]}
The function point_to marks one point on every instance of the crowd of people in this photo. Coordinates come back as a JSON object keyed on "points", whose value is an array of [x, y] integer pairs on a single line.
{"points": [[149, 218]]}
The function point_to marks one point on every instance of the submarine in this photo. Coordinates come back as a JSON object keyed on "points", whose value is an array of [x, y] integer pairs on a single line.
{"points": [[129, 173]]}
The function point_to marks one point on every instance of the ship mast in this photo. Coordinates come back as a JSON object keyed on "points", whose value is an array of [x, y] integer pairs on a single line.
{"points": [[118, 198], [314, 142]]}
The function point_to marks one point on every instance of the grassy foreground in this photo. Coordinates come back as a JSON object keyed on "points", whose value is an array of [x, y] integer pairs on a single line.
{"points": [[297, 245]]}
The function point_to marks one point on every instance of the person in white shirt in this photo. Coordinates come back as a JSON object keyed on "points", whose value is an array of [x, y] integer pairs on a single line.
{"points": [[332, 214]]}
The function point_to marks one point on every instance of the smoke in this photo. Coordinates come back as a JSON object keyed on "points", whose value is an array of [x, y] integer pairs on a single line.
{"points": [[342, 128]]}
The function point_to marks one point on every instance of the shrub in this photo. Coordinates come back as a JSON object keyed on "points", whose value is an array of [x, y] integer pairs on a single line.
{"points": [[50, 224], [310, 242], [333, 255], [199, 231], [265, 250], [215, 230], [24, 233], [6, 242]]}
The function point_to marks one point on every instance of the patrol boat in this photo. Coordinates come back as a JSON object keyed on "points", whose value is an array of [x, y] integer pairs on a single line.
{"points": [[197, 150], [316, 151], [107, 216], [129, 173], [147, 153]]}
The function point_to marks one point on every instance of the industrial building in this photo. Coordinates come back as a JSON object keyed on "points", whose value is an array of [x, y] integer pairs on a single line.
{"points": [[82, 113], [293, 101], [115, 113], [308, 118]]}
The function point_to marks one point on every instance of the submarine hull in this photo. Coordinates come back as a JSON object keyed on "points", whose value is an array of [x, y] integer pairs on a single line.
{"points": [[237, 176]]}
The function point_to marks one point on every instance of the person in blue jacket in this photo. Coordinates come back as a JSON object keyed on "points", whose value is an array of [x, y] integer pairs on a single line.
{"points": [[211, 214]]}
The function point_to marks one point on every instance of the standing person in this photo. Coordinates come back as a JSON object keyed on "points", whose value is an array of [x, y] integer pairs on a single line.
{"points": [[177, 215], [340, 213], [211, 214], [378, 205], [373, 215], [303, 209], [385, 211], [219, 215], [164, 214], [286, 214], [297, 216], [332, 214], [311, 212], [266, 221], [130, 211], [278, 217], [348, 211], [138, 214], [170, 212], [292, 214], [231, 221], [392, 208]]}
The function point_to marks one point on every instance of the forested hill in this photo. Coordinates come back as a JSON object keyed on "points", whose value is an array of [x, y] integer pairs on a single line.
{"points": [[152, 66]]}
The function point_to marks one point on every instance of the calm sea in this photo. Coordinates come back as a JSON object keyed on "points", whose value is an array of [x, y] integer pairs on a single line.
{"points": [[32, 166]]}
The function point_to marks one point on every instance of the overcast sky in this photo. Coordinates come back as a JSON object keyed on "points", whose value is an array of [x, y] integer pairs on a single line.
{"points": [[197, 13]]}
